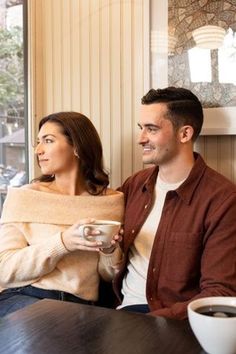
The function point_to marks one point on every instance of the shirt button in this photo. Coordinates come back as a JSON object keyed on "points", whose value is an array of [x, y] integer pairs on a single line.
{"points": [[151, 298], [145, 207], [153, 269], [133, 231]]}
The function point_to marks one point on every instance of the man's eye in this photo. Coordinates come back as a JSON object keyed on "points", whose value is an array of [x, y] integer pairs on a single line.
{"points": [[152, 129]]}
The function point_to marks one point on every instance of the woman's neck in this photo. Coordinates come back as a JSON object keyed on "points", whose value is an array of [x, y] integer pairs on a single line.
{"points": [[67, 188], [68, 185]]}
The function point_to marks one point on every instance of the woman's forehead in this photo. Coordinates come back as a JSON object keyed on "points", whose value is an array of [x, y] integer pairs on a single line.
{"points": [[50, 128]]}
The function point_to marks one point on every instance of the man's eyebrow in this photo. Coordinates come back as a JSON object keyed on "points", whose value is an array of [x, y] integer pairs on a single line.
{"points": [[148, 125]]}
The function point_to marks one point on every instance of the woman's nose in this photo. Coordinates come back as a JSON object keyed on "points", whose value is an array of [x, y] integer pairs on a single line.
{"points": [[38, 149]]}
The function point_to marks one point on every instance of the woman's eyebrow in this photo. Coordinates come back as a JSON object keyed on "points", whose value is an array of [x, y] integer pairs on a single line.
{"points": [[46, 135]]}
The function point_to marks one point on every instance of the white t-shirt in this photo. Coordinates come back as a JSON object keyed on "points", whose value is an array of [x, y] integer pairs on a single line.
{"points": [[134, 282]]}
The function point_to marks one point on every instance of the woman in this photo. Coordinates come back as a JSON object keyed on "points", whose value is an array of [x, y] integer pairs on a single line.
{"points": [[41, 253]]}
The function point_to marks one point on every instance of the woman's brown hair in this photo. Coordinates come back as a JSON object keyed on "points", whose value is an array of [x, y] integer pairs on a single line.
{"points": [[82, 135]]}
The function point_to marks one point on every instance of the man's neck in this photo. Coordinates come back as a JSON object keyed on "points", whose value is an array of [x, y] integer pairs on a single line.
{"points": [[178, 170]]}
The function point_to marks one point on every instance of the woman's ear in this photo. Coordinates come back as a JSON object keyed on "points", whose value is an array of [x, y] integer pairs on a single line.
{"points": [[186, 133]]}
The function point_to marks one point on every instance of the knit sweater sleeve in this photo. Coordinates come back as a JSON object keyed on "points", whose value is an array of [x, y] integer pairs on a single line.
{"points": [[21, 263], [31, 248], [110, 264]]}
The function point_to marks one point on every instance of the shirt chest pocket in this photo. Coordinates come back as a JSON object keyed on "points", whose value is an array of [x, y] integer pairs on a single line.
{"points": [[182, 256]]}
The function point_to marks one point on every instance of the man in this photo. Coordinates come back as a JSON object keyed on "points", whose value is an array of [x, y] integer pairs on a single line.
{"points": [[180, 224]]}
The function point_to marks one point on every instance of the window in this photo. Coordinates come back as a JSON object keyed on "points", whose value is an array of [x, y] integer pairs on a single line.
{"points": [[13, 164]]}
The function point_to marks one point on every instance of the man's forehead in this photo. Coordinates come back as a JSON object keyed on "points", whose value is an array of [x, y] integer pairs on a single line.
{"points": [[157, 110]]}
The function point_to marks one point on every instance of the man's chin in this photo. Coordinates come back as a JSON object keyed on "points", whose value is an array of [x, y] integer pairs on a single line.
{"points": [[147, 161]]}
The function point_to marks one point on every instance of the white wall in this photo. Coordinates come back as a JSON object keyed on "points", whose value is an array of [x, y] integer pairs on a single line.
{"points": [[220, 153], [92, 56]]}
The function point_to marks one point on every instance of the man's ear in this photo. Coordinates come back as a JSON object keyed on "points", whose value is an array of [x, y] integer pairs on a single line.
{"points": [[186, 133]]}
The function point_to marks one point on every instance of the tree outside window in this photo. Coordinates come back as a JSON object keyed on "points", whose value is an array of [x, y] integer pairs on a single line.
{"points": [[12, 122]]}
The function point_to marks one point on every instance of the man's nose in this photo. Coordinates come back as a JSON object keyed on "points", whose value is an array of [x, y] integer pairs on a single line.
{"points": [[143, 138]]}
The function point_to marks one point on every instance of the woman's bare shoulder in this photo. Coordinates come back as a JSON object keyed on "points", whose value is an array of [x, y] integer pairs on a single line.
{"points": [[110, 191], [36, 186]]}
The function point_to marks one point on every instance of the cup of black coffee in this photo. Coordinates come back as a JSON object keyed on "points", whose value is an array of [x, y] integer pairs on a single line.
{"points": [[213, 321]]}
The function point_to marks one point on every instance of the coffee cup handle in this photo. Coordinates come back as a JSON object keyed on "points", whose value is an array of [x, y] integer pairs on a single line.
{"points": [[82, 234]]}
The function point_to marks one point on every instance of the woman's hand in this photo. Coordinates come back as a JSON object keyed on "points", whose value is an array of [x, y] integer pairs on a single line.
{"points": [[114, 243], [73, 241]]}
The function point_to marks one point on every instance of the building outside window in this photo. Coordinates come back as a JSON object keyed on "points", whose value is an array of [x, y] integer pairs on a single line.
{"points": [[13, 161]]}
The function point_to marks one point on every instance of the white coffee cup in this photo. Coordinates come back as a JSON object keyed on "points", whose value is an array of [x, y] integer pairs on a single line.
{"points": [[108, 229], [216, 333]]}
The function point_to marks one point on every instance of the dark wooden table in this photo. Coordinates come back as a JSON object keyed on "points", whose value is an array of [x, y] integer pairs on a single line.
{"points": [[51, 326]]}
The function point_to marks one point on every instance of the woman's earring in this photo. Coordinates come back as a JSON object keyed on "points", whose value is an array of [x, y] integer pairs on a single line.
{"points": [[76, 154]]}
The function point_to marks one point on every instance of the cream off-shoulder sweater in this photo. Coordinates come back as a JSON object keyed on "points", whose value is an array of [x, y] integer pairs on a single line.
{"points": [[31, 249]]}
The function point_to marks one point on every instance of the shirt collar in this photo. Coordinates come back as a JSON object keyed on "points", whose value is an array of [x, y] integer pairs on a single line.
{"points": [[187, 189]]}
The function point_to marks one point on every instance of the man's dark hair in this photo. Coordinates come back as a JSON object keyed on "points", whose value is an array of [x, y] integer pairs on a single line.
{"points": [[183, 107]]}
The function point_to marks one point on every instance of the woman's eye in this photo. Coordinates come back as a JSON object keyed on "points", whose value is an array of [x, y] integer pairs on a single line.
{"points": [[48, 141]]}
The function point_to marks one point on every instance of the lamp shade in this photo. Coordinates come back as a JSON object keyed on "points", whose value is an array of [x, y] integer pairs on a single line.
{"points": [[209, 37]]}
